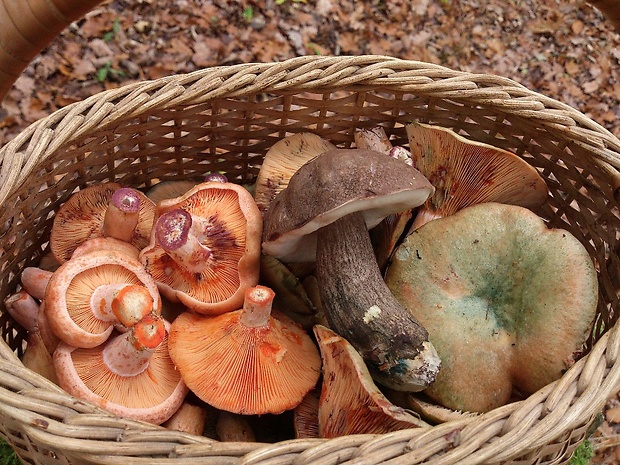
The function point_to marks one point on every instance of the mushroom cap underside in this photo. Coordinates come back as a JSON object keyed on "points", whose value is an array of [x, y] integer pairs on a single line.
{"points": [[244, 370], [507, 302], [153, 395], [466, 172], [333, 185], [350, 402], [81, 218], [232, 233], [69, 294]]}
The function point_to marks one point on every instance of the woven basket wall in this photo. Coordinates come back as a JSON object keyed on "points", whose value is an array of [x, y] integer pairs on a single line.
{"points": [[224, 119]]}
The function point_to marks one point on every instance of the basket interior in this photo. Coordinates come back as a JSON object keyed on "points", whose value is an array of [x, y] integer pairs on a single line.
{"points": [[231, 134]]}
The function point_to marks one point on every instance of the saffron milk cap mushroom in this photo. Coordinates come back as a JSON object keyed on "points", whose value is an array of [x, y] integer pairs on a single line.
{"points": [[508, 302], [102, 210], [88, 295], [245, 361], [350, 402], [131, 374], [466, 172], [324, 214], [205, 247]]}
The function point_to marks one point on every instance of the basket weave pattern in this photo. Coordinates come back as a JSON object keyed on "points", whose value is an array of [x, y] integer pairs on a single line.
{"points": [[225, 119]]}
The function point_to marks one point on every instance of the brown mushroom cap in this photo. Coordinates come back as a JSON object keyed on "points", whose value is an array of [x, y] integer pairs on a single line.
{"points": [[236, 363], [228, 227], [376, 186], [82, 217], [466, 172], [69, 294], [350, 402], [282, 160]]}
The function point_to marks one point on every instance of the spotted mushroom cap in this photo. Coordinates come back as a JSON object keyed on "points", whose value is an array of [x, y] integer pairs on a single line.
{"points": [[231, 231], [508, 302]]}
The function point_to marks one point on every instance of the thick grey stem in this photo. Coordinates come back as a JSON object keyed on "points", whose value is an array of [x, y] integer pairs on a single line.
{"points": [[360, 307]]}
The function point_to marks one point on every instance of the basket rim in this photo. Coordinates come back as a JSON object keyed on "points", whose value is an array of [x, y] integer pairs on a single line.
{"points": [[306, 73], [579, 394]]}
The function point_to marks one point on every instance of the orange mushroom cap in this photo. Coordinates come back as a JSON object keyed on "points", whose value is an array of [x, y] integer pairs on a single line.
{"points": [[245, 361], [350, 402], [124, 377], [83, 217], [80, 295], [205, 247], [466, 172]]}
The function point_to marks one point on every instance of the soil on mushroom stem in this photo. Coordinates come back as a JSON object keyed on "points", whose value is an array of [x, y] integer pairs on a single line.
{"points": [[561, 48]]}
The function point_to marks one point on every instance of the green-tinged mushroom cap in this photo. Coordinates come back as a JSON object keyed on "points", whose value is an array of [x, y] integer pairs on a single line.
{"points": [[507, 302]]}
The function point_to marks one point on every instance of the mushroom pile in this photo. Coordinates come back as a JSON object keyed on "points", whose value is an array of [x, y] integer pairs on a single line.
{"points": [[349, 290]]}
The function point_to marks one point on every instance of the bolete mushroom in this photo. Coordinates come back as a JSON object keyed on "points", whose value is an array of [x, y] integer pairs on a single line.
{"points": [[101, 210], [350, 402], [282, 160], [88, 295], [466, 172], [508, 302], [324, 214], [130, 375], [246, 361], [205, 247]]}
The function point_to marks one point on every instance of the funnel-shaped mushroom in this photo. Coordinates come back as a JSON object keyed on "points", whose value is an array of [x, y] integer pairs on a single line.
{"points": [[101, 210], [350, 402], [324, 214], [92, 292], [466, 172], [131, 374], [508, 302], [245, 361], [282, 160], [205, 247]]}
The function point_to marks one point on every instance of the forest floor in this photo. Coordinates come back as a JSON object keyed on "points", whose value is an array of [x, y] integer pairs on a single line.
{"points": [[561, 48]]}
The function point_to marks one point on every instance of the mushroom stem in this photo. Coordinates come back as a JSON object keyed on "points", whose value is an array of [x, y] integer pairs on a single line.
{"points": [[121, 217], [177, 232], [257, 307], [35, 281], [393, 343], [126, 303], [24, 309], [128, 354]]}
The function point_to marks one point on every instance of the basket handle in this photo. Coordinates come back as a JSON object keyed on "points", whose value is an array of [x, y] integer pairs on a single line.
{"points": [[27, 27], [610, 9]]}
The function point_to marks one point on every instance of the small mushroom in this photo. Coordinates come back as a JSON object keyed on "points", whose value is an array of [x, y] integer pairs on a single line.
{"points": [[40, 343], [101, 210], [205, 247], [246, 361], [508, 302], [190, 418], [466, 172], [324, 214], [130, 375], [92, 292], [350, 402], [282, 160]]}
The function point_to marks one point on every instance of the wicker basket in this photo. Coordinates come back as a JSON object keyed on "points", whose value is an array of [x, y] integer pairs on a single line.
{"points": [[225, 118]]}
